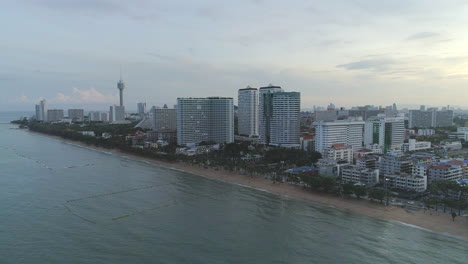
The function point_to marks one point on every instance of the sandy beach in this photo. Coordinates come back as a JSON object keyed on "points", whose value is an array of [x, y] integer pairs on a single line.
{"points": [[434, 221]]}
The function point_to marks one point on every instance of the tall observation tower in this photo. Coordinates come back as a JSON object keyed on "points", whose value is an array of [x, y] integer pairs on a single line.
{"points": [[121, 87]]}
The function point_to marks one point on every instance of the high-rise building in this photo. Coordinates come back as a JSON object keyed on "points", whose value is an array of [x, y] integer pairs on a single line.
{"points": [[347, 132], [104, 117], [76, 115], [279, 117], [54, 115], [164, 118], [265, 111], [116, 113], [386, 132], [141, 110], [205, 119], [285, 122], [94, 116], [248, 111], [430, 118], [444, 118], [41, 111]]}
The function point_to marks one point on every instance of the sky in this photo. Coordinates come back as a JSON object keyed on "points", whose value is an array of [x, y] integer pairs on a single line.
{"points": [[349, 52]]}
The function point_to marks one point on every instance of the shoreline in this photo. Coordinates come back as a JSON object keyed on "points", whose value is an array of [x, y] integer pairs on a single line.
{"points": [[437, 222]]}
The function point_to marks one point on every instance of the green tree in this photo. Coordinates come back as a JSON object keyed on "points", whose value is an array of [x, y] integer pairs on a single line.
{"points": [[360, 191], [328, 183], [453, 216], [348, 188], [377, 194]]}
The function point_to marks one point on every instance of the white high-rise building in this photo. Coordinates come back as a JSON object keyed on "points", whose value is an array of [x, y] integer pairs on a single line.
{"points": [[141, 110], [164, 118], [347, 132], [76, 115], [279, 117], [265, 111], [41, 111], [285, 121], [388, 133], [205, 119], [116, 113], [248, 111]]}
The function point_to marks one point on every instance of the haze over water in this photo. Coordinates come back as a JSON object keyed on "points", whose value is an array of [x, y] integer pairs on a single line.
{"points": [[62, 203]]}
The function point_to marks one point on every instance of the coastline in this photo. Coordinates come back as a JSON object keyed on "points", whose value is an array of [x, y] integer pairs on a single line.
{"points": [[438, 222]]}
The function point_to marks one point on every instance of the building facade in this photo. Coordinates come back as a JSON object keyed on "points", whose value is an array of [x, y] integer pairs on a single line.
{"points": [[248, 111], [339, 152], [76, 115], [389, 165], [164, 118], [141, 110], [265, 111], [444, 172], [41, 111], [414, 145], [205, 119], [345, 132], [54, 115], [430, 118], [406, 182], [355, 174], [388, 133], [116, 113], [285, 122]]}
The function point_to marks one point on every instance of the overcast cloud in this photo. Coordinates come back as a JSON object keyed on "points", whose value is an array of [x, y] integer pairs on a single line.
{"points": [[347, 52]]}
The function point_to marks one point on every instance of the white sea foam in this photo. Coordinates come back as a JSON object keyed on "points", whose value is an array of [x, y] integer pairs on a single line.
{"points": [[410, 225]]}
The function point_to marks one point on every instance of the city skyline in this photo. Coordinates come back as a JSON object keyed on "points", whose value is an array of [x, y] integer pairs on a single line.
{"points": [[356, 53]]}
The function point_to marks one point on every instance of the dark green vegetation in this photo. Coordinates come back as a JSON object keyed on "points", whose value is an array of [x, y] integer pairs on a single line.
{"points": [[447, 194], [334, 186], [117, 139]]}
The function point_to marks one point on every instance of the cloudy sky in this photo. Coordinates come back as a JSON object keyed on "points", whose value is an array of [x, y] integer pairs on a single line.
{"points": [[350, 52]]}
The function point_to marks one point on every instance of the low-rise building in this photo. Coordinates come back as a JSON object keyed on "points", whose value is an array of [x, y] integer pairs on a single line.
{"points": [[462, 164], [355, 174], [390, 165], [458, 135], [426, 132], [368, 162], [313, 171], [375, 148], [88, 133], [362, 152], [414, 145], [166, 135], [444, 172], [339, 152], [456, 145], [308, 143], [406, 181], [328, 167]]}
